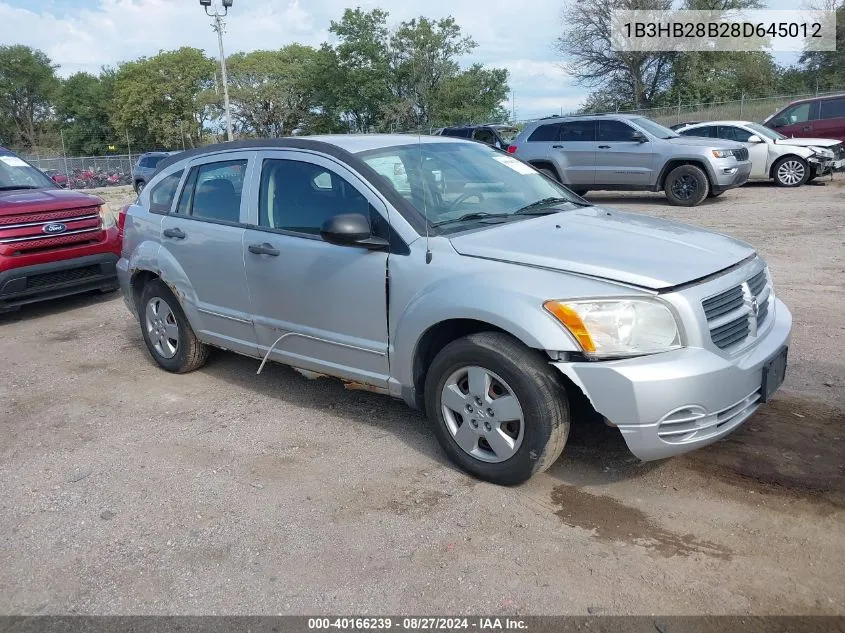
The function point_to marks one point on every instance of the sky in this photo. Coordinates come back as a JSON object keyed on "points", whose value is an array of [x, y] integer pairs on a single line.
{"points": [[84, 35]]}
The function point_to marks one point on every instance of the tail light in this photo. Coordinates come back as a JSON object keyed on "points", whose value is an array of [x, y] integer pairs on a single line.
{"points": [[121, 220], [511, 149]]}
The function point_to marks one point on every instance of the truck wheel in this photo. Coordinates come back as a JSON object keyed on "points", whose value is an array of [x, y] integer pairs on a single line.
{"points": [[496, 407], [686, 186], [549, 172], [167, 333], [790, 171]]}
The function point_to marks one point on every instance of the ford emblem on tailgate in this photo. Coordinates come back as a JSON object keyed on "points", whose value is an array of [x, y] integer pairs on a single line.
{"points": [[54, 227]]}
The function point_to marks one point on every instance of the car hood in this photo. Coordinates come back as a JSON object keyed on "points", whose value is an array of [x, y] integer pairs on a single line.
{"points": [[627, 247], [806, 142], [703, 142], [33, 200]]}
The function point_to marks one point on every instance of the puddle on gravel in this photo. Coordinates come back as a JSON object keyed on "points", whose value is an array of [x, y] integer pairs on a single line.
{"points": [[613, 521]]}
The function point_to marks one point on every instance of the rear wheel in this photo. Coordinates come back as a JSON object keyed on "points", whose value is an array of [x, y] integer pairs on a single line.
{"points": [[790, 171], [686, 186], [166, 331], [549, 172], [496, 407]]}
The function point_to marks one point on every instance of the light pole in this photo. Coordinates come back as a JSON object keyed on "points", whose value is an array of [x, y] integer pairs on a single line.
{"points": [[218, 25]]}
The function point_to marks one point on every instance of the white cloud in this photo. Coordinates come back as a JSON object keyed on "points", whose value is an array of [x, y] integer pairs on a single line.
{"points": [[105, 32]]}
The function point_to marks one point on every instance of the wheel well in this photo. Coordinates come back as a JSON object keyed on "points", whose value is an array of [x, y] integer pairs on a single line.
{"points": [[669, 166], [436, 338], [137, 283], [544, 164], [772, 168]]}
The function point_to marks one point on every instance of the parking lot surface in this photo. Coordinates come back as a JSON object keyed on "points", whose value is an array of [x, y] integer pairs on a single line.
{"points": [[129, 490]]}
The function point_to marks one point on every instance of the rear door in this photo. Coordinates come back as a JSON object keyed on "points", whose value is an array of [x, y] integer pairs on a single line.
{"points": [[575, 152], [204, 235], [620, 160], [831, 121]]}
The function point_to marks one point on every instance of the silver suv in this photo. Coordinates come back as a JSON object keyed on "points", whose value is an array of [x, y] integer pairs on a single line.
{"points": [[490, 296], [631, 153]]}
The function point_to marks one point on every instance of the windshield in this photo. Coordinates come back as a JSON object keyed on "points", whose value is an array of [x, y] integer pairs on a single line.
{"points": [[762, 130], [447, 182], [653, 128], [16, 173]]}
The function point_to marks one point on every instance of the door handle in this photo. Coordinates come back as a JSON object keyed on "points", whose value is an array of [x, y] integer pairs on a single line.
{"points": [[806, 128], [177, 234], [264, 249], [557, 146], [604, 146]]}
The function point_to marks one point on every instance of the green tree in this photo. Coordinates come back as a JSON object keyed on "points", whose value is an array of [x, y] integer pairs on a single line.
{"points": [[272, 92], [28, 84], [163, 101], [825, 70], [472, 96], [82, 109]]}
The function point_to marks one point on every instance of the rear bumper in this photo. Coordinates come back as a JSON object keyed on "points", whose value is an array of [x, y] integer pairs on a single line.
{"points": [[723, 181], [705, 394], [39, 282]]}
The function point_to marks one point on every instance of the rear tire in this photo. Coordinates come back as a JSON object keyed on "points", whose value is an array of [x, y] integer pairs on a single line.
{"points": [[169, 337], [686, 186], [791, 171], [524, 410], [549, 172]]}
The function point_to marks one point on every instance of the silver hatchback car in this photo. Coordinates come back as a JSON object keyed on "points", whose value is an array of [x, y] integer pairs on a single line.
{"points": [[456, 277]]}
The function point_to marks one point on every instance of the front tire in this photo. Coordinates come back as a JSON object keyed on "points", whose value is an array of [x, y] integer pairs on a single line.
{"points": [[686, 186], [791, 171], [496, 407], [169, 337]]}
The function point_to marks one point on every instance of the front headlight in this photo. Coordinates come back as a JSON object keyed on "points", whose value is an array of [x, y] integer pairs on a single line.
{"points": [[723, 153], [821, 151], [618, 327]]}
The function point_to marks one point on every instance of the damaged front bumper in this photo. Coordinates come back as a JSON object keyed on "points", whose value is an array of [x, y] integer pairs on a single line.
{"points": [[674, 402]]}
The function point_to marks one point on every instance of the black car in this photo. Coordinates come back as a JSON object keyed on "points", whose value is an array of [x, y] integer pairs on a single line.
{"points": [[496, 135]]}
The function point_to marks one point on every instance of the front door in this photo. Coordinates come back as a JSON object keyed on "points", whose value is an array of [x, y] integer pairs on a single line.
{"points": [[204, 237], [758, 153], [619, 160], [316, 305]]}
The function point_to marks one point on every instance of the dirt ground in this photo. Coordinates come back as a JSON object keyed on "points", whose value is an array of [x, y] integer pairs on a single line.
{"points": [[127, 490]]}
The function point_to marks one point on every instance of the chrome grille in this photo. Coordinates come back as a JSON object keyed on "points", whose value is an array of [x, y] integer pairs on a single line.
{"points": [[737, 313], [25, 232]]}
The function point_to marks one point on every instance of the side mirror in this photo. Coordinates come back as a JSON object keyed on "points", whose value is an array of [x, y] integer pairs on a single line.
{"points": [[351, 229], [638, 137], [754, 139], [780, 122]]}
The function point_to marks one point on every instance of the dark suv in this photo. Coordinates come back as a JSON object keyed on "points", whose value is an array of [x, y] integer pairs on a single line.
{"points": [[495, 135], [821, 117], [146, 167]]}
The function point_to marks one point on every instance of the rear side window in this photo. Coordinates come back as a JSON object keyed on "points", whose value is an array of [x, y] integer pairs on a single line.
{"points": [[578, 131], [150, 161], [299, 197], [707, 131], [832, 108], [610, 131], [545, 133], [734, 133], [485, 136], [163, 193], [457, 132], [213, 191]]}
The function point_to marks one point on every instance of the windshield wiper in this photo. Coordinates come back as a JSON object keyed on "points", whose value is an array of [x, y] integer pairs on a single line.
{"points": [[14, 187], [534, 207], [475, 215]]}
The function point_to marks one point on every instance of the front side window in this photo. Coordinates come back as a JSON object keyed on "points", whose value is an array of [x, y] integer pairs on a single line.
{"points": [[733, 133], [163, 193], [299, 197], [799, 114], [654, 128], [832, 109], [614, 131], [445, 182], [213, 191]]}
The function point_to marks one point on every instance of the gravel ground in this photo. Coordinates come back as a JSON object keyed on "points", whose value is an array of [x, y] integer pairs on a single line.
{"points": [[128, 490]]}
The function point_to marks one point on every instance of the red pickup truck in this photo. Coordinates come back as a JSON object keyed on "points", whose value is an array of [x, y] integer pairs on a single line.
{"points": [[53, 242]]}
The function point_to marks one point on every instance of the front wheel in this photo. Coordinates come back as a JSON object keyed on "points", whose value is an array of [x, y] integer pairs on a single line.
{"points": [[791, 171], [686, 186], [496, 407]]}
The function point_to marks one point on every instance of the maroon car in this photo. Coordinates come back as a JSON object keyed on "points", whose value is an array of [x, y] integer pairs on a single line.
{"points": [[53, 241], [817, 117]]}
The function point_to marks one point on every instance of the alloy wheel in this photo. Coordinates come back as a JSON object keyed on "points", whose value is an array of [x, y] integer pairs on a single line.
{"points": [[162, 328], [791, 172], [684, 187]]}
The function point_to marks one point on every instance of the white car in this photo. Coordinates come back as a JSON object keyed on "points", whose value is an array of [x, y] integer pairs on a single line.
{"points": [[790, 162]]}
